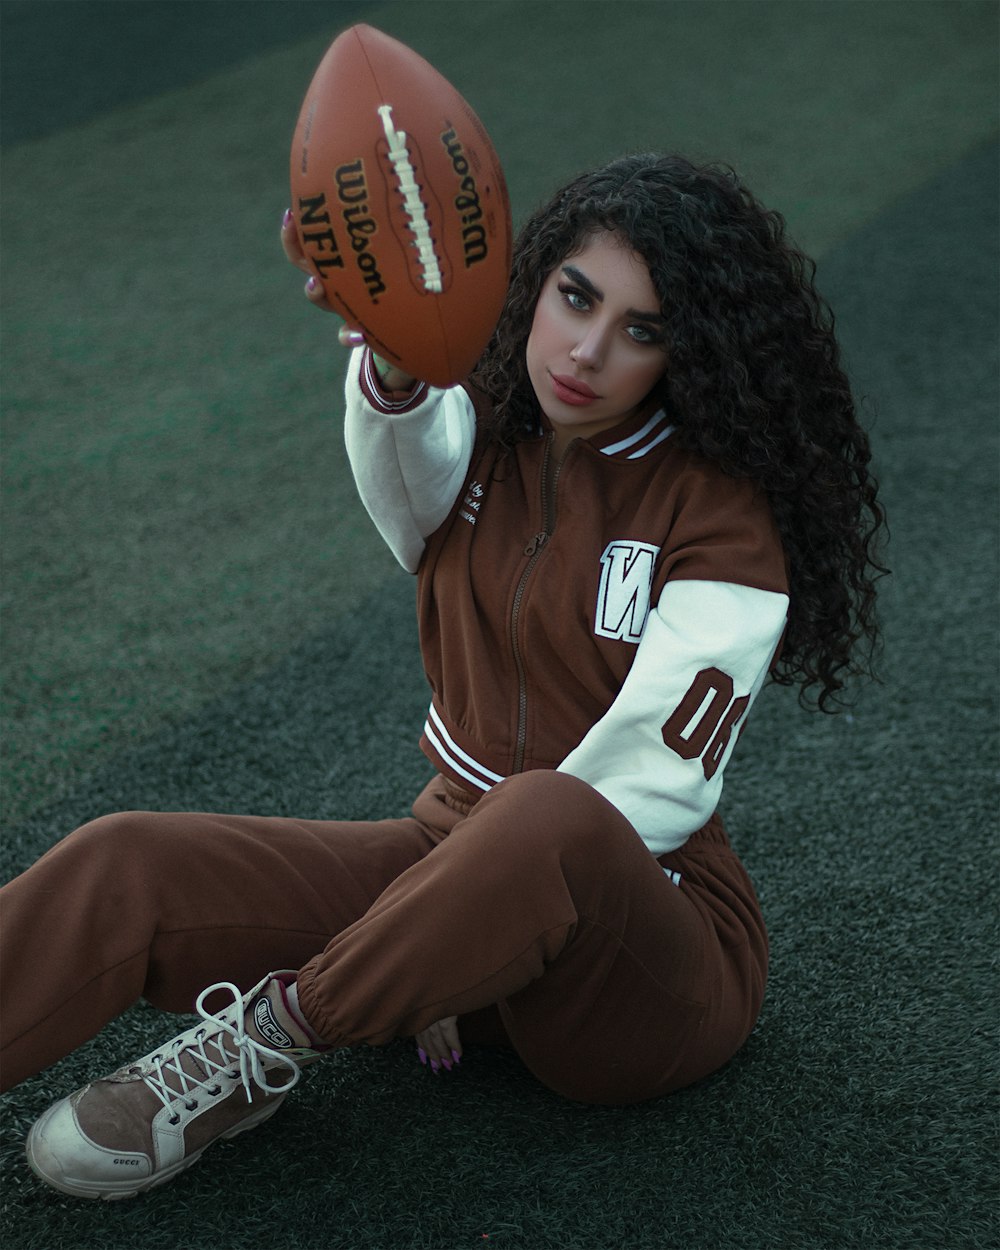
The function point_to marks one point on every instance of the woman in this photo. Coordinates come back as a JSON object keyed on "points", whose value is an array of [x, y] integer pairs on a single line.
{"points": [[652, 496]]}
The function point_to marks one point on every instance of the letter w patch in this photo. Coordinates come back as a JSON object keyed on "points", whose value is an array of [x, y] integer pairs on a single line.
{"points": [[623, 597]]}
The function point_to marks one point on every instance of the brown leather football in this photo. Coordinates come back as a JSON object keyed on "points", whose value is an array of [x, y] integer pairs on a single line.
{"points": [[401, 205]]}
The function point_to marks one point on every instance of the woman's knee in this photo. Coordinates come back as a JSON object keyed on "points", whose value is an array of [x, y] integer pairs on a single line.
{"points": [[545, 808], [547, 787], [544, 815]]}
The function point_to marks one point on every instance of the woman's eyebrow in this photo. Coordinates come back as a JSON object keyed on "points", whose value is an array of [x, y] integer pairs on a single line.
{"points": [[582, 281]]}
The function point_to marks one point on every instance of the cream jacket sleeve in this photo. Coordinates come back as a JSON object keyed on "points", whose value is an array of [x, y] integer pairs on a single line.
{"points": [[409, 455]]}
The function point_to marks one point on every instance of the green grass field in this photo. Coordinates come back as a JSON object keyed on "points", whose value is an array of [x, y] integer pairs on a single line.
{"points": [[192, 595]]}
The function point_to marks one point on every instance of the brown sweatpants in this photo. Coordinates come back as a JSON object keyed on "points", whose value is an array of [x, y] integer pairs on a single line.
{"points": [[536, 914]]}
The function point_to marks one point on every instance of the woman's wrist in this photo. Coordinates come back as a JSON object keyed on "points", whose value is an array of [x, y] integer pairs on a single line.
{"points": [[391, 378]]}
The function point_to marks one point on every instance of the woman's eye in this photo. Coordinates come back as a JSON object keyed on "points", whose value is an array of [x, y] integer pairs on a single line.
{"points": [[643, 334], [576, 300]]}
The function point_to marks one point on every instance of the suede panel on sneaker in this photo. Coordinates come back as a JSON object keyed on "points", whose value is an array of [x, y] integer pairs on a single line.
{"points": [[123, 1121]]}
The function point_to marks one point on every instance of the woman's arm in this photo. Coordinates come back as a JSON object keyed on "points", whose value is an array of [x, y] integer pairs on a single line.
{"points": [[409, 444], [659, 752], [410, 452]]}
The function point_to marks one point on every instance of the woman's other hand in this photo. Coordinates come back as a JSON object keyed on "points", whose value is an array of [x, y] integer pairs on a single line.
{"points": [[439, 1046], [296, 256], [392, 379]]}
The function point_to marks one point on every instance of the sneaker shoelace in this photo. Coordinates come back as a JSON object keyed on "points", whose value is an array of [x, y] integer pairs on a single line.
{"points": [[168, 1071]]}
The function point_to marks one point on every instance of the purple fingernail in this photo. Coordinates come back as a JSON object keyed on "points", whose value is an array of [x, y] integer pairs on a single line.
{"points": [[422, 1055], [312, 285], [456, 1056], [435, 1068], [287, 219], [447, 1063]]}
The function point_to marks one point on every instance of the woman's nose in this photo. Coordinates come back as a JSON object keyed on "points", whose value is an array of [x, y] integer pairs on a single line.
{"points": [[590, 350]]}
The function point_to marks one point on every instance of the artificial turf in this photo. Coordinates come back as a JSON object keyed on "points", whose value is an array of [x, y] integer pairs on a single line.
{"points": [[197, 614]]}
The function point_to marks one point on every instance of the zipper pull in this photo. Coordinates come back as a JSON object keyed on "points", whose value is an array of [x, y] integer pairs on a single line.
{"points": [[536, 544]]}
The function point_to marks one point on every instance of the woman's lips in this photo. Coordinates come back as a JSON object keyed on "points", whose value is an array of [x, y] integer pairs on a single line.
{"points": [[572, 391]]}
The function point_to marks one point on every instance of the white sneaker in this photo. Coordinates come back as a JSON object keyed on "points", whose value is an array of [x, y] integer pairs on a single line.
{"points": [[151, 1119]]}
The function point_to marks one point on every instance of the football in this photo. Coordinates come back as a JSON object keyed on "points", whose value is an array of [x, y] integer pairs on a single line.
{"points": [[401, 206]]}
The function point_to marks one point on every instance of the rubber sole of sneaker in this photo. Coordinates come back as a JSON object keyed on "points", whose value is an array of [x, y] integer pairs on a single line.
{"points": [[113, 1191]]}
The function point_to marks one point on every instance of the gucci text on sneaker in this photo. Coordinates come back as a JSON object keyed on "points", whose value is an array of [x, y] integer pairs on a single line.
{"points": [[153, 1118]]}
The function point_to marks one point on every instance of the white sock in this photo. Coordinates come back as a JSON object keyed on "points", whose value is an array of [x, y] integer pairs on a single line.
{"points": [[292, 1002]]}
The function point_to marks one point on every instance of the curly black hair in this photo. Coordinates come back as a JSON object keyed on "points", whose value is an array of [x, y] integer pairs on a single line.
{"points": [[754, 381]]}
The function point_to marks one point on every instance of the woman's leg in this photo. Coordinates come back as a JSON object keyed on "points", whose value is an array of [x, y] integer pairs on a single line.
{"points": [[160, 905], [614, 983]]}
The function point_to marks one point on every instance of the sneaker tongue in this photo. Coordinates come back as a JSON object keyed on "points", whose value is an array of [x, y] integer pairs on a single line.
{"points": [[187, 1058], [192, 1063], [267, 1020]]}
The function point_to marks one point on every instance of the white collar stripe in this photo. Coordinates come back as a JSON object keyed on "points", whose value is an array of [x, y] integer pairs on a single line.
{"points": [[654, 423], [663, 434], [637, 437]]}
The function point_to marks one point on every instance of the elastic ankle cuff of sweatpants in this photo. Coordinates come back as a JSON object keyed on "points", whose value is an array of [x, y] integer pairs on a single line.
{"points": [[309, 1011]]}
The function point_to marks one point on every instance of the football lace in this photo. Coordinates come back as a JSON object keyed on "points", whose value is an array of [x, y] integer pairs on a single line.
{"points": [[413, 205]]}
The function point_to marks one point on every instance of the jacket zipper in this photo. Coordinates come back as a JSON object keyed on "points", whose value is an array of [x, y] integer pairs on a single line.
{"points": [[534, 551]]}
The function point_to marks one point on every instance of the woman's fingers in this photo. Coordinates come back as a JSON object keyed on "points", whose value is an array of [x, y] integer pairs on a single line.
{"points": [[350, 337], [290, 242], [316, 295], [439, 1046], [293, 251]]}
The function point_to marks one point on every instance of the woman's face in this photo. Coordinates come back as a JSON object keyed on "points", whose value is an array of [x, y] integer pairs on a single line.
{"points": [[596, 347]]}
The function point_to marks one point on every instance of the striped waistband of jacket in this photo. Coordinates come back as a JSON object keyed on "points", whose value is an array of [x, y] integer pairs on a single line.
{"points": [[455, 759]]}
